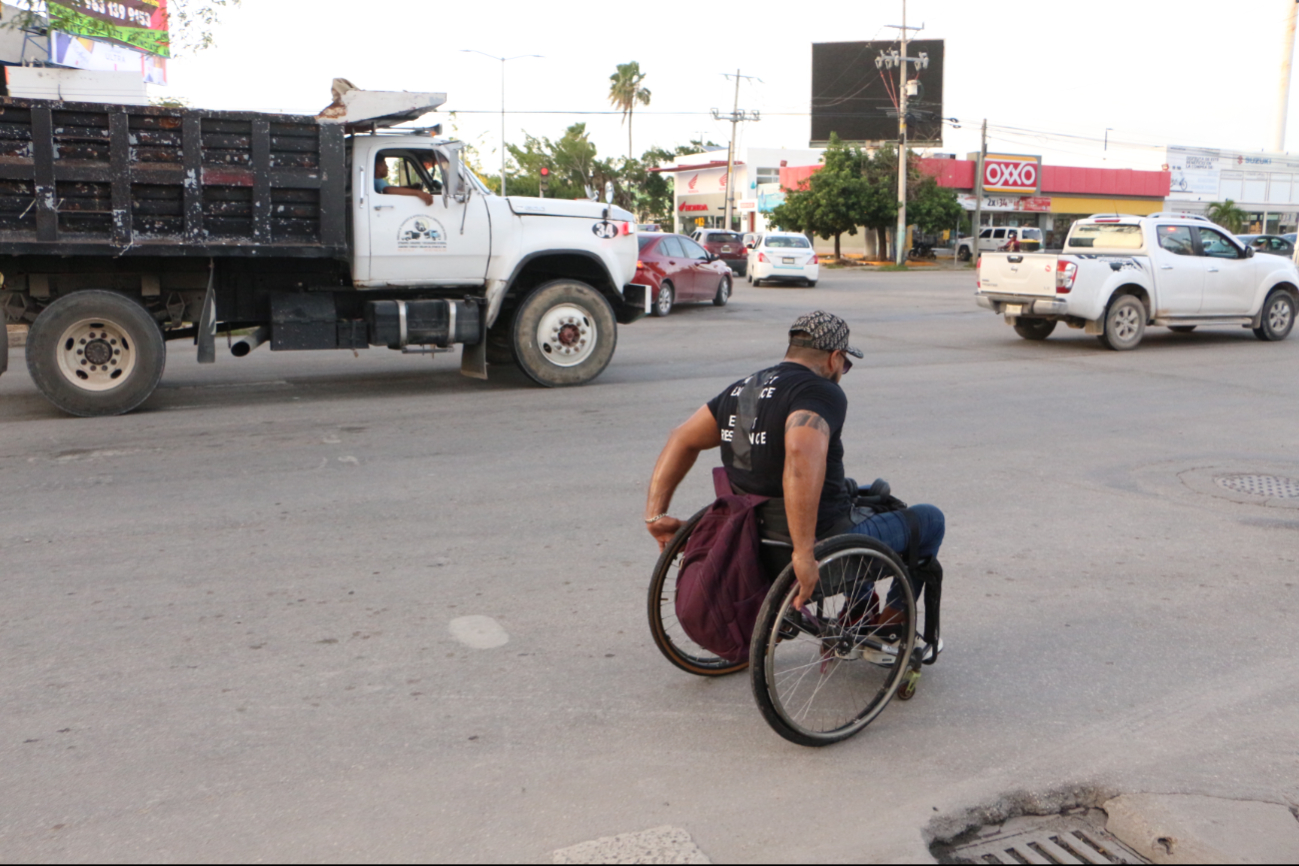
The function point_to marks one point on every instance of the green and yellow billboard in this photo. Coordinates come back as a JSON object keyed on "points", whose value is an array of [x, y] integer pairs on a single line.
{"points": [[138, 24]]}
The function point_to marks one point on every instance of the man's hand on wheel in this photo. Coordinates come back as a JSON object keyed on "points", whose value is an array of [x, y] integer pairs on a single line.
{"points": [[663, 529], [808, 574]]}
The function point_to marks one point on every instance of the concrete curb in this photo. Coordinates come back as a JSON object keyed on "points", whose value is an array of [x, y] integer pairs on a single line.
{"points": [[17, 336], [1188, 828]]}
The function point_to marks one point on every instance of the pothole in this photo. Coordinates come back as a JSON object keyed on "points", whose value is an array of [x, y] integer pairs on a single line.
{"points": [[1265, 486], [1076, 837]]}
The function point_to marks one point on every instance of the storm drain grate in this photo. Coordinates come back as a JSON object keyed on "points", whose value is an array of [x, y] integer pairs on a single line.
{"points": [[1268, 486], [1054, 840]]}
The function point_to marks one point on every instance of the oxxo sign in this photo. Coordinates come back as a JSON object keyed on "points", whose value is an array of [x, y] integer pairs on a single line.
{"points": [[1019, 175]]}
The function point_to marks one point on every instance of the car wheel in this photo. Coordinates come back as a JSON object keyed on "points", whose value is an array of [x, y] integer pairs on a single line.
{"points": [[811, 284], [664, 300], [1034, 329], [963, 254], [723, 292], [1278, 317], [748, 276], [1125, 323]]}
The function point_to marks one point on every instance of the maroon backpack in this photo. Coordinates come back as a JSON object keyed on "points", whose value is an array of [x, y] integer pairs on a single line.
{"points": [[722, 582]]}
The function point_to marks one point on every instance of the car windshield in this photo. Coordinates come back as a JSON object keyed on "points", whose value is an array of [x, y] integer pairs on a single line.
{"points": [[646, 240], [1106, 236], [722, 238], [792, 243]]}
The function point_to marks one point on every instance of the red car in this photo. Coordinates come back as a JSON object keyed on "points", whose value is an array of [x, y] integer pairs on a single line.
{"points": [[677, 269]]}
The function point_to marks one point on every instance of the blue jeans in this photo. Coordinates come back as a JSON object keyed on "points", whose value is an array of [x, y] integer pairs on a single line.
{"points": [[891, 528]]}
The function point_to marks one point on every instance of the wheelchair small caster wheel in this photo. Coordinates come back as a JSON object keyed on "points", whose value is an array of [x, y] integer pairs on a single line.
{"points": [[908, 689]]}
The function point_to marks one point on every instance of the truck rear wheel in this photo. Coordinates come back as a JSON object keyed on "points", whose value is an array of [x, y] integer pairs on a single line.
{"points": [[1278, 317], [1034, 329], [95, 353], [1125, 323], [564, 334]]}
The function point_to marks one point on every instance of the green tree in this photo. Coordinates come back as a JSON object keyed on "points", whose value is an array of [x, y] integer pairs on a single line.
{"points": [[1228, 215], [625, 91], [833, 200], [930, 207]]}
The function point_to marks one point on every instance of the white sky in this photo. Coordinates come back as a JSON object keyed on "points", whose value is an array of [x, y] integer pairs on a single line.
{"points": [[1191, 72]]}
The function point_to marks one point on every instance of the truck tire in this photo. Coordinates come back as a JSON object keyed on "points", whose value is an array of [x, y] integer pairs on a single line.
{"points": [[95, 353], [1034, 329], [564, 334], [1278, 317], [1125, 323], [4, 343], [500, 341]]}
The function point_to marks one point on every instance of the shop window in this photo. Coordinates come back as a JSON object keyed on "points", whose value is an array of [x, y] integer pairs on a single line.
{"points": [[768, 175]]}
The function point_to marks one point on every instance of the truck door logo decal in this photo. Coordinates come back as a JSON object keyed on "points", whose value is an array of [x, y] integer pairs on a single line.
{"points": [[421, 233], [605, 230]]}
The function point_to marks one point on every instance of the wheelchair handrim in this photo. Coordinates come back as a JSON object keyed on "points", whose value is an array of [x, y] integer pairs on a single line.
{"points": [[795, 716]]}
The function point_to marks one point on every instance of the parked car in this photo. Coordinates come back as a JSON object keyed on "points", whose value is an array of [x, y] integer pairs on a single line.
{"points": [[783, 257], [1275, 245], [677, 269], [993, 239], [727, 246]]}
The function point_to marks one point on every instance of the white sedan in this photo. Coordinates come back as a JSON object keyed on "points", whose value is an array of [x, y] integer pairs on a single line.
{"points": [[783, 256]]}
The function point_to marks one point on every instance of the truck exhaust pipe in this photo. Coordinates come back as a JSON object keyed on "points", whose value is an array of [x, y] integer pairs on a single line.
{"points": [[245, 344]]}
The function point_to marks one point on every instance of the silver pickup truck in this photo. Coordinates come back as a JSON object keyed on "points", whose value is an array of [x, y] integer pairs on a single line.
{"points": [[1120, 274]]}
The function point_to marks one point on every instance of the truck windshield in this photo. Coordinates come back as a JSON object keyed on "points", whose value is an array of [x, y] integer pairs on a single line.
{"points": [[1106, 236], [1030, 234]]}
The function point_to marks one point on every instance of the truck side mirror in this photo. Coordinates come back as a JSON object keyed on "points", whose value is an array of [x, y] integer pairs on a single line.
{"points": [[452, 182], [1249, 252]]}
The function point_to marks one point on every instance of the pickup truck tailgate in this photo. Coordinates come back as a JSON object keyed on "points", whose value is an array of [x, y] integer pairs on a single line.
{"points": [[1031, 274]]}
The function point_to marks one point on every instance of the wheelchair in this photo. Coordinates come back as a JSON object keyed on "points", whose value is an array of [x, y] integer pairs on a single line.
{"points": [[820, 675]]}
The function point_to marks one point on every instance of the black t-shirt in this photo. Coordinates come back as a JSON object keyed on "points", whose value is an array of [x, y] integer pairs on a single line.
{"points": [[789, 388]]}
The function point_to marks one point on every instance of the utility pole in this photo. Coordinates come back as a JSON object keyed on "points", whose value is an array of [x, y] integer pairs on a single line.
{"points": [[1283, 98], [904, 62], [978, 193], [735, 117], [503, 60]]}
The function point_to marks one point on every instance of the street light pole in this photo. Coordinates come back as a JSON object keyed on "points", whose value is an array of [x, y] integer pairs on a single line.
{"points": [[503, 60]]}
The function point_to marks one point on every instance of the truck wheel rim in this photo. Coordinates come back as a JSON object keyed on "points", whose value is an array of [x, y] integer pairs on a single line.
{"points": [[1278, 318], [95, 355], [1125, 323], [567, 335]]}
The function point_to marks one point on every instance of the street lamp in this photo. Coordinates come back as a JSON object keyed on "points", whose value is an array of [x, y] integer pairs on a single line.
{"points": [[503, 60]]}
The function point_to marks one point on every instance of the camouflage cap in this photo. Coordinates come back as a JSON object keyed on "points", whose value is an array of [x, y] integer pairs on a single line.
{"points": [[825, 331]]}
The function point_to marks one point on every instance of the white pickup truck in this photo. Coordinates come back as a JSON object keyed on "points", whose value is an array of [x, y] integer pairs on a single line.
{"points": [[1119, 274]]}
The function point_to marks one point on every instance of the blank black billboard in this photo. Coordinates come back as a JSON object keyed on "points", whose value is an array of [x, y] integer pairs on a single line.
{"points": [[852, 97]]}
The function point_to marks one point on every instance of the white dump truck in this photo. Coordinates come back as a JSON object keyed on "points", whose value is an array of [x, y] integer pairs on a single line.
{"points": [[1120, 274], [124, 227]]}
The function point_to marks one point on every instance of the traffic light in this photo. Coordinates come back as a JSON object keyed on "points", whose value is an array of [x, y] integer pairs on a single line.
{"points": [[545, 181]]}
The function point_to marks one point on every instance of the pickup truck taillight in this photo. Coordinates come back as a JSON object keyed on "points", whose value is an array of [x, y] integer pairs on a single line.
{"points": [[1065, 273]]}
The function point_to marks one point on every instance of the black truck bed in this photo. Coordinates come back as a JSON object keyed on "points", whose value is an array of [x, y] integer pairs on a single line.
{"points": [[127, 180]]}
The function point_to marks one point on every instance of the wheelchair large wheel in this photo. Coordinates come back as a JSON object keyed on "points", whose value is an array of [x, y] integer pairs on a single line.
{"points": [[664, 626], [821, 675]]}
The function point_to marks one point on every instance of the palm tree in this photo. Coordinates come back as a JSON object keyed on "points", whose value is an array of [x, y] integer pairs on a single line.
{"points": [[1228, 215], [625, 91]]}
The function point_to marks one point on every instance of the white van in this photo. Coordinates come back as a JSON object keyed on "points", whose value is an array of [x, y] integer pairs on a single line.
{"points": [[993, 239]]}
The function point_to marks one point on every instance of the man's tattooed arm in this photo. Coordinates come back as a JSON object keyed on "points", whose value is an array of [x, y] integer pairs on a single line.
{"points": [[804, 418]]}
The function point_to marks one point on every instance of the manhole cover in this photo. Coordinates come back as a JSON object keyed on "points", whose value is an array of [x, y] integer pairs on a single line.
{"points": [[1266, 486], [1051, 839]]}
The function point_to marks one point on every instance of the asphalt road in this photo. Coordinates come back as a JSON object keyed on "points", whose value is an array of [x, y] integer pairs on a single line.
{"points": [[238, 624]]}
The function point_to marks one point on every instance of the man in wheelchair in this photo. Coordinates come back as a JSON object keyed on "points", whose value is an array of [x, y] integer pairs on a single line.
{"points": [[780, 431]]}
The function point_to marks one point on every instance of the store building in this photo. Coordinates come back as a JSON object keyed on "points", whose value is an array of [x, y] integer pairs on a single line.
{"points": [[1020, 191], [1264, 185], [702, 184]]}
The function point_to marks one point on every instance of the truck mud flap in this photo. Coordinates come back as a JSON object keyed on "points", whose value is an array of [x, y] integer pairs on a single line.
{"points": [[635, 303]]}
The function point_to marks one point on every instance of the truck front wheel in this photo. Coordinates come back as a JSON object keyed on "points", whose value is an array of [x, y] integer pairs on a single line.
{"points": [[1034, 329], [95, 353], [1125, 323], [564, 334]]}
